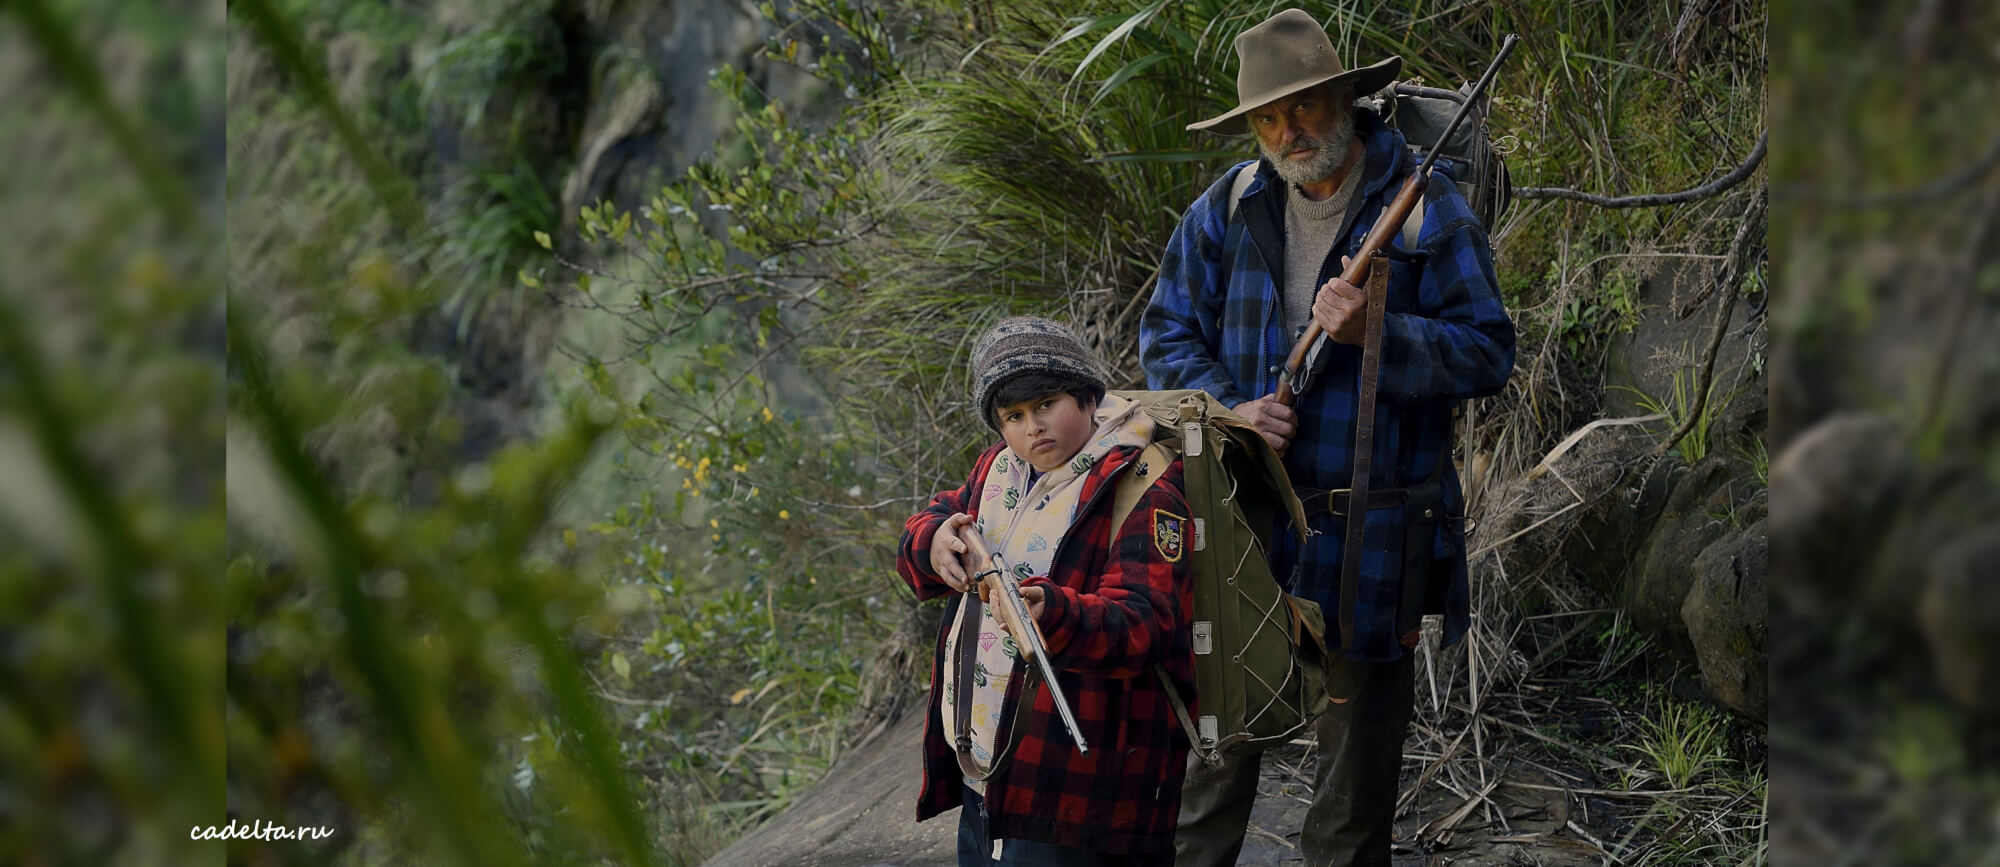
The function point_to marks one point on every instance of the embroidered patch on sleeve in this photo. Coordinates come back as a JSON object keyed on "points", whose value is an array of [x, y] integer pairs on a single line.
{"points": [[1169, 534]]}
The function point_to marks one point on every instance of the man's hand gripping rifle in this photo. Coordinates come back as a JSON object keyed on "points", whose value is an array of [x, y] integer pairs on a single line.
{"points": [[998, 587]]}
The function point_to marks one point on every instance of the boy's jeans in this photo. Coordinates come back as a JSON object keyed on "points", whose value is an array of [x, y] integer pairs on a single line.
{"points": [[1353, 813], [975, 849]]}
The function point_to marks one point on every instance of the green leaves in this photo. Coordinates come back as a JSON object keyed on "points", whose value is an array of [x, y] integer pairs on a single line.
{"points": [[1123, 29]]}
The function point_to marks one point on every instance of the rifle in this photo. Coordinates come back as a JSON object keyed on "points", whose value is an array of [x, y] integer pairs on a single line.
{"points": [[1294, 378], [1369, 269], [996, 581]]}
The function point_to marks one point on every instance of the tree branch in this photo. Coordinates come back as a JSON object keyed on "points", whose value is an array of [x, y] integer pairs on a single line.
{"points": [[1936, 189], [1655, 200]]}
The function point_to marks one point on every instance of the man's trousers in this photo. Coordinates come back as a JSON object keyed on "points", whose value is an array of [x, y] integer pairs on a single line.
{"points": [[1355, 784]]}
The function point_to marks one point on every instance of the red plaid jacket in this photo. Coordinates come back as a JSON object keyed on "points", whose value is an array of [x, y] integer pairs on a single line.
{"points": [[1109, 617]]}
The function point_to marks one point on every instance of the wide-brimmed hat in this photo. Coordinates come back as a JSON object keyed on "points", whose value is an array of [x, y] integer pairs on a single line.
{"points": [[1285, 54]]}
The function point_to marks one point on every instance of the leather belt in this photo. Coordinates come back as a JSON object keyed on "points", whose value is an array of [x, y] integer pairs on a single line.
{"points": [[1321, 502]]}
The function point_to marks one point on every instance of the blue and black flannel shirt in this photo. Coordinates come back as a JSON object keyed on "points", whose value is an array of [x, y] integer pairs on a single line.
{"points": [[1214, 323]]}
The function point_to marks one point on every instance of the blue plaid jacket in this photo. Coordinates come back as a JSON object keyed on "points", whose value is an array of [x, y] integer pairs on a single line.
{"points": [[1214, 324]]}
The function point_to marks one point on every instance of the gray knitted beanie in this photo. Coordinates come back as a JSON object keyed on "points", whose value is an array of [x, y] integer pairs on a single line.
{"points": [[1024, 344]]}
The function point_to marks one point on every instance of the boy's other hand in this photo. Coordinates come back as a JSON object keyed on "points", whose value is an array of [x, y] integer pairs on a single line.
{"points": [[1272, 419], [1033, 594], [946, 547]]}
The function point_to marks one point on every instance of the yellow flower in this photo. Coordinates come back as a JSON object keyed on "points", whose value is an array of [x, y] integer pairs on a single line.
{"points": [[784, 515], [767, 413], [712, 524], [740, 468], [753, 490], [715, 537]]}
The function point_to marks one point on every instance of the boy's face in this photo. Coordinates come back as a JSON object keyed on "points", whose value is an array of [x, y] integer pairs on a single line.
{"points": [[1047, 431]]}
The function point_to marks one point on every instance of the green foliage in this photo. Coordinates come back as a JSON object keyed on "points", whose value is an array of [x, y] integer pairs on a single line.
{"points": [[1683, 743], [1758, 456], [1599, 312], [1678, 404], [411, 665], [774, 364], [111, 515], [1921, 745]]}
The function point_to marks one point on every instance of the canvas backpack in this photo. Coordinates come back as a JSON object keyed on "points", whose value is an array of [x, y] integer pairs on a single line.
{"points": [[1422, 113], [1259, 656]]}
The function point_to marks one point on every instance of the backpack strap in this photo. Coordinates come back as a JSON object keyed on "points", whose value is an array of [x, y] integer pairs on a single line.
{"points": [[1133, 485], [1242, 183]]}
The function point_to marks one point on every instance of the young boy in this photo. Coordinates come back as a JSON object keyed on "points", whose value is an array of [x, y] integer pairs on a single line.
{"points": [[1042, 499]]}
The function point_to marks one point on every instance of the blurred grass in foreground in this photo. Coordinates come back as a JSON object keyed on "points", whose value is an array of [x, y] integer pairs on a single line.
{"points": [[111, 507], [386, 663]]}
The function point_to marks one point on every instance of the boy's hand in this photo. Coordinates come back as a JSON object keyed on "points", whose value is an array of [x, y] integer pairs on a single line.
{"points": [[946, 547], [1033, 595]]}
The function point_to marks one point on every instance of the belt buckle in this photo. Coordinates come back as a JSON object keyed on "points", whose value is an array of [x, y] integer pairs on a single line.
{"points": [[1331, 507]]}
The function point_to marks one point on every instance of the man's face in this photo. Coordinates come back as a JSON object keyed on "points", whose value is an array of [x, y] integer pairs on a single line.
{"points": [[1047, 431], [1307, 135]]}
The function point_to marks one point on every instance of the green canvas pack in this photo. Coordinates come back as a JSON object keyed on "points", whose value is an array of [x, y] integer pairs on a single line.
{"points": [[1422, 113], [1259, 654]]}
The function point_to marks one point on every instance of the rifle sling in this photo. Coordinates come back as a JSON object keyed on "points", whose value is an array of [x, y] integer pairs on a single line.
{"points": [[1364, 448], [968, 654]]}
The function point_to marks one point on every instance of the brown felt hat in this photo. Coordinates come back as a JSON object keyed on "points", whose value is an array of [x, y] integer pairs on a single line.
{"points": [[1285, 54]]}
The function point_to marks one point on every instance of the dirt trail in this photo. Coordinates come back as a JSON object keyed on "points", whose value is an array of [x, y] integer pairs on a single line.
{"points": [[861, 815]]}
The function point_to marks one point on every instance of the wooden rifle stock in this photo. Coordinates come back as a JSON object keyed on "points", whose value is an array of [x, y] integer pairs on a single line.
{"points": [[1356, 274], [1000, 589]]}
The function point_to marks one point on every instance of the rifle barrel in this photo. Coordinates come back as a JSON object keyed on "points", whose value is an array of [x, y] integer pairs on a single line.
{"points": [[1457, 117]]}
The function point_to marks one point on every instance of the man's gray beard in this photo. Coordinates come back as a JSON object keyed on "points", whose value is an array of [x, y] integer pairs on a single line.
{"points": [[1332, 154]]}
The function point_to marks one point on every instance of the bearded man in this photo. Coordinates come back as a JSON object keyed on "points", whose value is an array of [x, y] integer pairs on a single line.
{"points": [[1253, 260]]}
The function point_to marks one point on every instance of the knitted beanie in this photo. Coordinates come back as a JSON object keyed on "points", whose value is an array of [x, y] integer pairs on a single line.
{"points": [[1025, 344]]}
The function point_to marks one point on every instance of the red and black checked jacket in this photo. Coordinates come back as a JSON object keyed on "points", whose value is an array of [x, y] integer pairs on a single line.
{"points": [[1108, 618]]}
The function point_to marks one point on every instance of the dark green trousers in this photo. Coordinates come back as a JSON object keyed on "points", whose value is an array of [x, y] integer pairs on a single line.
{"points": [[1353, 814]]}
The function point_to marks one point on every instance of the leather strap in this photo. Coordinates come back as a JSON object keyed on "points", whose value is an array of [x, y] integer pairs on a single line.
{"points": [[1364, 446], [968, 655], [968, 643], [1213, 758]]}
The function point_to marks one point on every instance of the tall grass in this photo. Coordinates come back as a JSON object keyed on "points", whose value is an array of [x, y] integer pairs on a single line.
{"points": [[111, 526]]}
